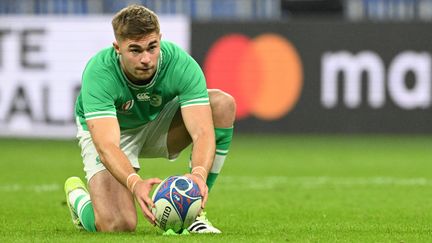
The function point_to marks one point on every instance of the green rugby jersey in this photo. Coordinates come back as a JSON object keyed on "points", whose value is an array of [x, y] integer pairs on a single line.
{"points": [[106, 91]]}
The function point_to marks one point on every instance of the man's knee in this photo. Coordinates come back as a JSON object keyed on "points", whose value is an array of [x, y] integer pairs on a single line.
{"points": [[116, 224], [223, 107]]}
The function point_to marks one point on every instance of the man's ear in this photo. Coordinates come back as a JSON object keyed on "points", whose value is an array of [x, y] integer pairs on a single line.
{"points": [[116, 47]]}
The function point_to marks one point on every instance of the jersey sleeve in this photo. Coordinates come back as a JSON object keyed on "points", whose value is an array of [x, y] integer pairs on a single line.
{"points": [[193, 88], [97, 94]]}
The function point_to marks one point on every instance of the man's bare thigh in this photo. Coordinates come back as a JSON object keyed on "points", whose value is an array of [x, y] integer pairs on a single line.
{"points": [[178, 137], [113, 204]]}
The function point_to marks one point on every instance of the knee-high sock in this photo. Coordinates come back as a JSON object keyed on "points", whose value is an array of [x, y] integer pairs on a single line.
{"points": [[223, 142], [84, 208]]}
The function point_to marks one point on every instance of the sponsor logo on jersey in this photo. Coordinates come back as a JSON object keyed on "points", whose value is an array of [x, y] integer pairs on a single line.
{"points": [[143, 96], [263, 74], [155, 100]]}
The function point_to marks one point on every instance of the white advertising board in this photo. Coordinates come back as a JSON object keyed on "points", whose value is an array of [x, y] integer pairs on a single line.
{"points": [[41, 62]]}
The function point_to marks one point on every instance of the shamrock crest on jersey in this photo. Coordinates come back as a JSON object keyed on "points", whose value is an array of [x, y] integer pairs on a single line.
{"points": [[155, 100]]}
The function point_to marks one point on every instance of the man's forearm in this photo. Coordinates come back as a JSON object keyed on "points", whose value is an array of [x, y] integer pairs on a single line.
{"points": [[203, 155], [116, 162]]}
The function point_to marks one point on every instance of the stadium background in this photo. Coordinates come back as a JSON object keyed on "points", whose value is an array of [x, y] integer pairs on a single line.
{"points": [[344, 66], [334, 112]]}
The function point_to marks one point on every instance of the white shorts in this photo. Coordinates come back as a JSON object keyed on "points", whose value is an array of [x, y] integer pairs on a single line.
{"points": [[147, 141]]}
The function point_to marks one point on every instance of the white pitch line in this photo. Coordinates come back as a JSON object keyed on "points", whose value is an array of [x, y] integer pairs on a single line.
{"points": [[266, 182], [270, 182], [15, 187]]}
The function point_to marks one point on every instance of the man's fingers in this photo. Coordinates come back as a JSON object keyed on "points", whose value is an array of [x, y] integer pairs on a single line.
{"points": [[155, 180], [202, 187], [145, 202], [147, 213], [204, 192], [204, 195], [149, 202], [204, 200]]}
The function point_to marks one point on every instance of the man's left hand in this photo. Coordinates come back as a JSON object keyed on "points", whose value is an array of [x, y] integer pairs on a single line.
{"points": [[201, 185]]}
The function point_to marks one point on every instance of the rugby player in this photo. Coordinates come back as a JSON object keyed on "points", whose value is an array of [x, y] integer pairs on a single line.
{"points": [[143, 97]]}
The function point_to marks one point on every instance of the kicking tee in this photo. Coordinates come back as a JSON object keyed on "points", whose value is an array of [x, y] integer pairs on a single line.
{"points": [[107, 92]]}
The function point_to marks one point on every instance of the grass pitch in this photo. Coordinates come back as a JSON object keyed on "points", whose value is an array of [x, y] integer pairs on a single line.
{"points": [[272, 189]]}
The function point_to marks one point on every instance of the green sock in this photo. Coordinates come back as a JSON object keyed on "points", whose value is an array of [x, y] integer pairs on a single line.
{"points": [[223, 141], [84, 207]]}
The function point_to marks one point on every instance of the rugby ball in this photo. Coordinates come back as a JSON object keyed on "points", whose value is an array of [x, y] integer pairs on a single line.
{"points": [[177, 203]]}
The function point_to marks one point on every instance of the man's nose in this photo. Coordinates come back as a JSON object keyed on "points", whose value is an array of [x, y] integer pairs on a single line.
{"points": [[145, 58]]}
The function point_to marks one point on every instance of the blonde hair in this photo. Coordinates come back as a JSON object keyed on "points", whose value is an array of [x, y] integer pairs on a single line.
{"points": [[134, 21]]}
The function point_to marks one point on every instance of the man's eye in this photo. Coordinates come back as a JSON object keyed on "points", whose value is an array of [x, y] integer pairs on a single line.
{"points": [[152, 48]]}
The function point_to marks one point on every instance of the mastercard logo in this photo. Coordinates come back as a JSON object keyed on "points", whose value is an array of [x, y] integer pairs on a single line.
{"points": [[264, 74]]}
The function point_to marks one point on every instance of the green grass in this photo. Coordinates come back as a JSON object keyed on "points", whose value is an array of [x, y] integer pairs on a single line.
{"points": [[272, 189]]}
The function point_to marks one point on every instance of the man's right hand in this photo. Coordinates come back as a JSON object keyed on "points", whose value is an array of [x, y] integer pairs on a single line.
{"points": [[141, 191]]}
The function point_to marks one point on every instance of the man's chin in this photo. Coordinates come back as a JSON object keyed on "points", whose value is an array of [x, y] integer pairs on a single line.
{"points": [[144, 74], [143, 78]]}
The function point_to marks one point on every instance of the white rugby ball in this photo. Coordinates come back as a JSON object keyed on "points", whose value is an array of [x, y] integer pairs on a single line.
{"points": [[177, 203]]}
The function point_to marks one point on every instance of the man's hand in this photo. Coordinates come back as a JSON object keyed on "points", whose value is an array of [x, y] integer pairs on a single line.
{"points": [[141, 191], [202, 186]]}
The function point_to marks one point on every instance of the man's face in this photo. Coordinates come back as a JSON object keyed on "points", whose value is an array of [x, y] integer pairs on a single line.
{"points": [[139, 57]]}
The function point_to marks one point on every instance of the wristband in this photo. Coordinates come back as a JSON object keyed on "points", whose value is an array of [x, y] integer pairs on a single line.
{"points": [[199, 167], [131, 181], [199, 174], [133, 186]]}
